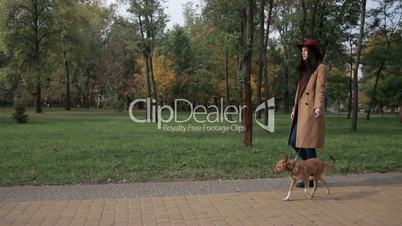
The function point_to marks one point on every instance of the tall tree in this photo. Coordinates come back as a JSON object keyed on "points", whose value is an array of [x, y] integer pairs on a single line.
{"points": [[246, 73], [67, 23], [178, 49], [30, 27], [81, 33], [288, 35], [224, 16], [151, 20], [262, 51], [350, 21], [96, 21], [265, 62], [387, 18], [119, 63], [356, 67], [351, 39], [337, 88]]}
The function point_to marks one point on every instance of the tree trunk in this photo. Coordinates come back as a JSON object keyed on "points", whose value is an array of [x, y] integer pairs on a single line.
{"points": [[350, 87], [382, 110], [247, 56], [303, 24], [262, 51], [147, 75], [373, 100], [227, 79], [286, 94], [400, 114], [148, 51], [149, 46], [154, 93], [312, 28], [146, 55], [240, 60], [356, 69], [239, 77], [36, 56], [151, 75], [87, 92], [264, 61], [226, 62], [76, 85], [38, 97], [67, 71]]}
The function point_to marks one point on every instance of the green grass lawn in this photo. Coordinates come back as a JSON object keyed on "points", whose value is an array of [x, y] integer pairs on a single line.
{"points": [[59, 147]]}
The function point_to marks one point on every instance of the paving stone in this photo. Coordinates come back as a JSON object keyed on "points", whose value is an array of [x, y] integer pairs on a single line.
{"points": [[370, 199]]}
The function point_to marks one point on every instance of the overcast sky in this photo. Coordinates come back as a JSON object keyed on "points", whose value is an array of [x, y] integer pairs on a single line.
{"points": [[174, 10]]}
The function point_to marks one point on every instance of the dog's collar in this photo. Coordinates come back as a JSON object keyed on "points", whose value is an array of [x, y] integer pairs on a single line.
{"points": [[293, 167]]}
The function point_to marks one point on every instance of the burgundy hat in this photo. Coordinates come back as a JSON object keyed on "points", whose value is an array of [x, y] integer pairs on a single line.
{"points": [[309, 42], [312, 43]]}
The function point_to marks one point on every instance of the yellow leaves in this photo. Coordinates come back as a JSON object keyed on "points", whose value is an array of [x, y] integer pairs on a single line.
{"points": [[140, 81], [139, 84], [221, 89], [164, 75]]}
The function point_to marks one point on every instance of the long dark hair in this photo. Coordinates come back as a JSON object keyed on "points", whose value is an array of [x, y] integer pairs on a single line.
{"points": [[306, 68]]}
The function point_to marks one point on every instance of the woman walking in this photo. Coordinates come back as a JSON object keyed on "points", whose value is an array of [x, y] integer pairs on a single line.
{"points": [[307, 131]]}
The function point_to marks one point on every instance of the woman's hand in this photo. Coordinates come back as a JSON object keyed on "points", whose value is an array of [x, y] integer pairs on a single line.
{"points": [[317, 113]]}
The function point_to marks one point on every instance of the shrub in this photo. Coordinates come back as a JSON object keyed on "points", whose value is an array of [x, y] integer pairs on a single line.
{"points": [[19, 113]]}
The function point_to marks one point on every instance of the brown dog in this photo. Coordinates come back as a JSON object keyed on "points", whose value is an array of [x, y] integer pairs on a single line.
{"points": [[303, 170]]}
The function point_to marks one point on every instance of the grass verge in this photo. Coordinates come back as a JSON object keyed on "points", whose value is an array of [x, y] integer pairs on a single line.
{"points": [[59, 147]]}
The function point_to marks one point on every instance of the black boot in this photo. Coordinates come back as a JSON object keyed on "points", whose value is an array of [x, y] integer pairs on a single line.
{"points": [[300, 184]]}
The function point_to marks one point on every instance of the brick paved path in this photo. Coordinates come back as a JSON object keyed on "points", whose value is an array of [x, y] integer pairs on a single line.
{"points": [[371, 199]]}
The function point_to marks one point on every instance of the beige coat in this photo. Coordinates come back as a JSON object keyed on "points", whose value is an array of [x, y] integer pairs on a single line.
{"points": [[310, 130]]}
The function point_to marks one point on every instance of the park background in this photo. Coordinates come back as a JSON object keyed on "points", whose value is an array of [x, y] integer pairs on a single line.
{"points": [[76, 66]]}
